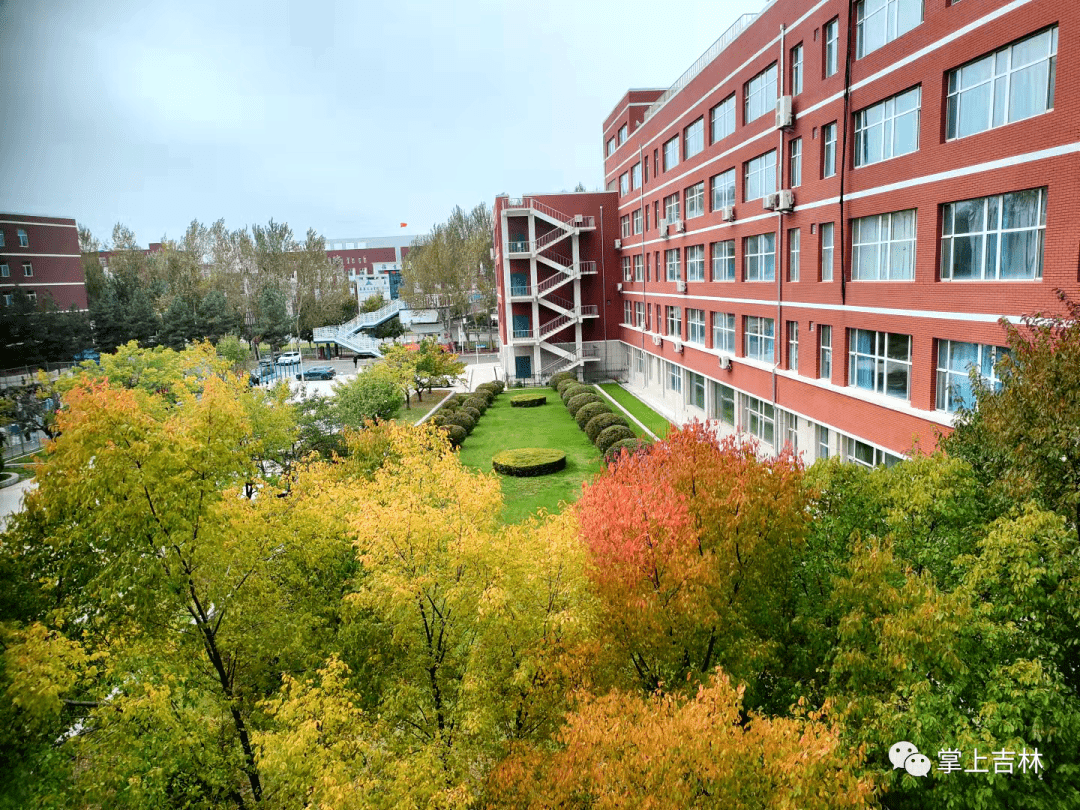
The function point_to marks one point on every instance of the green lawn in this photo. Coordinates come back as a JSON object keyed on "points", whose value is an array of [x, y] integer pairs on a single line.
{"points": [[550, 425], [648, 417]]}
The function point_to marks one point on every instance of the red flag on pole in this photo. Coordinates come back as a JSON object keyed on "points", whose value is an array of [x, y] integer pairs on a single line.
{"points": [[404, 224]]}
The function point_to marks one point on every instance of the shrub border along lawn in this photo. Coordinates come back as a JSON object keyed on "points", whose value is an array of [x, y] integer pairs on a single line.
{"points": [[642, 415]]}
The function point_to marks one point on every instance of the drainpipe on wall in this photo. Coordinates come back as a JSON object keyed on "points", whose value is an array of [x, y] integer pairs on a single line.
{"points": [[603, 282], [778, 332], [843, 160]]}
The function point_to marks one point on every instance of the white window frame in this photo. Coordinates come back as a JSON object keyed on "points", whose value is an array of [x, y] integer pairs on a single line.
{"points": [[991, 238], [794, 239], [793, 345], [880, 361], [950, 378], [639, 268], [883, 247], [639, 314], [5, 270], [824, 351], [881, 126], [695, 200], [624, 225], [624, 184], [694, 139], [831, 35], [628, 313], [671, 207], [695, 263], [888, 17], [723, 330], [672, 265], [635, 221], [852, 448], [759, 176], [795, 162], [759, 338], [759, 257], [723, 403], [991, 77], [673, 380], [622, 135], [760, 94], [696, 390], [635, 176], [723, 260], [828, 249], [759, 419], [722, 119], [695, 326], [796, 69], [28, 270], [723, 189], [610, 146], [671, 153], [24, 239], [828, 150]]}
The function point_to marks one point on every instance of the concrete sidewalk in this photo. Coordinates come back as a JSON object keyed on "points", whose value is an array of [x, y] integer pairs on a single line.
{"points": [[11, 499]]}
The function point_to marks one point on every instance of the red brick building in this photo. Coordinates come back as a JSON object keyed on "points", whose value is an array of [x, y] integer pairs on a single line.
{"points": [[822, 222], [40, 255]]}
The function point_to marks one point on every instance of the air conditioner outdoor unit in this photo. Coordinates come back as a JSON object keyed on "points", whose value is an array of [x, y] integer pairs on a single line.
{"points": [[727, 213], [677, 346], [618, 244], [725, 361], [680, 227], [786, 201], [770, 201], [619, 286], [657, 340], [579, 219], [784, 116], [492, 253], [680, 286]]}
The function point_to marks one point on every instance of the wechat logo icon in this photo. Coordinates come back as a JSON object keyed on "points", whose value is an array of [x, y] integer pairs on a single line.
{"points": [[905, 755]]}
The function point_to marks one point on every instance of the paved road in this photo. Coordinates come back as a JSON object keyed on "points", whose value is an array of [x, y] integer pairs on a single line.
{"points": [[11, 499]]}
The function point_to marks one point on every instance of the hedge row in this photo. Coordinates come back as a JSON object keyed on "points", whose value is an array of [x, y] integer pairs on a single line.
{"points": [[460, 413], [609, 431]]}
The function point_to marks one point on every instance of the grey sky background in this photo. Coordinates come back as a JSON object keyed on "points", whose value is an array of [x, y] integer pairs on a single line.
{"points": [[348, 117]]}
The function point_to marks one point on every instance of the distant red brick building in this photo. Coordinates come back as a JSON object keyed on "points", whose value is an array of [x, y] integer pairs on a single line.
{"points": [[819, 226], [40, 255]]}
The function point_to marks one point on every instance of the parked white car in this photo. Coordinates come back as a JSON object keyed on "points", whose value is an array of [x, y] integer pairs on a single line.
{"points": [[288, 359]]}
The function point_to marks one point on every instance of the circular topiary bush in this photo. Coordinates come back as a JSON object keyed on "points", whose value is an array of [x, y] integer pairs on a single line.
{"points": [[588, 411], [566, 383], [608, 437], [473, 412], [479, 403], [574, 404], [573, 390], [528, 401], [458, 399], [500, 386], [529, 461], [630, 445], [463, 419], [560, 377], [491, 387], [598, 424], [456, 434], [484, 394]]}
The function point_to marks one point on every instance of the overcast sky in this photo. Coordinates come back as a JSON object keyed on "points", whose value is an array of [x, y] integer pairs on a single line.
{"points": [[348, 117]]}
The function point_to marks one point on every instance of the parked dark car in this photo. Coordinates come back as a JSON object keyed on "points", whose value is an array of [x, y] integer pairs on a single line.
{"points": [[317, 373]]}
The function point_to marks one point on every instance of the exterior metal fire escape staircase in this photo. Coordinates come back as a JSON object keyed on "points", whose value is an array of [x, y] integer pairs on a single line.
{"points": [[350, 334], [567, 313]]}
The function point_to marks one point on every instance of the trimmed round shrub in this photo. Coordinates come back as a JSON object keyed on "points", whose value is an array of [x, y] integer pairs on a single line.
{"points": [[587, 412], [500, 386], [608, 437], [456, 434], [438, 419], [528, 401], [492, 387], [598, 424], [564, 384], [479, 403], [631, 445], [458, 399], [529, 461], [560, 377], [484, 394], [473, 412], [463, 419], [572, 391], [574, 404]]}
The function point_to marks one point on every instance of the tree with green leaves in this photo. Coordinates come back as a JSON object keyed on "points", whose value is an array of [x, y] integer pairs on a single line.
{"points": [[450, 269]]}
